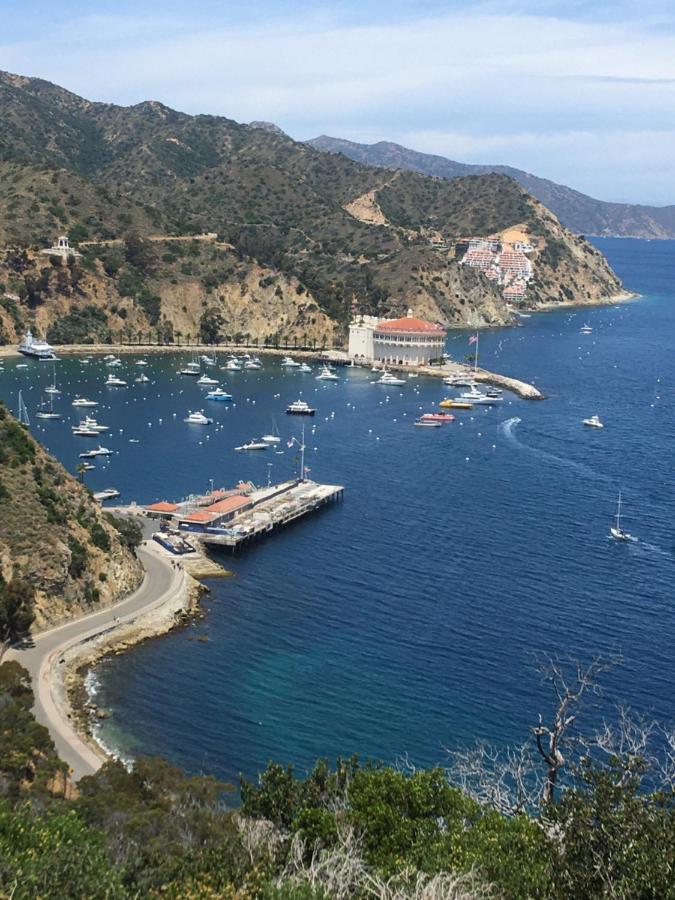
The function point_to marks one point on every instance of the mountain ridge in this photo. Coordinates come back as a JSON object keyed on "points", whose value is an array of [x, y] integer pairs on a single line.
{"points": [[577, 211]]}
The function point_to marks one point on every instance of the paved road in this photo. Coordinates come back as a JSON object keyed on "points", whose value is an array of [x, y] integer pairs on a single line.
{"points": [[161, 582]]}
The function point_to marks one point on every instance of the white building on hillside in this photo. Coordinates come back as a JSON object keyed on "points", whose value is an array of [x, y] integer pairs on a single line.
{"points": [[407, 341], [61, 248]]}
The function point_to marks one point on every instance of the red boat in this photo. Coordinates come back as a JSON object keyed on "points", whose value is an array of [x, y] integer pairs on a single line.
{"points": [[437, 417]]}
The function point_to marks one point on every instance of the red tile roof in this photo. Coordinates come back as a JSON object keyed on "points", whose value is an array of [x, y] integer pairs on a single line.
{"points": [[163, 506], [410, 325], [231, 504]]}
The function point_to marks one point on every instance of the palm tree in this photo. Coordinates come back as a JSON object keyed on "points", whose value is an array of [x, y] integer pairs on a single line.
{"points": [[81, 468]]}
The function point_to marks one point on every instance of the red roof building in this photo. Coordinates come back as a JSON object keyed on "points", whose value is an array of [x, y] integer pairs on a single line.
{"points": [[408, 341]]}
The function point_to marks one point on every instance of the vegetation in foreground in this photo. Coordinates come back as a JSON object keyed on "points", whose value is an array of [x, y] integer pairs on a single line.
{"points": [[349, 831]]}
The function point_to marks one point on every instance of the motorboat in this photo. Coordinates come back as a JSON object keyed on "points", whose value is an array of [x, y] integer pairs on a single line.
{"points": [[87, 467], [303, 367], [206, 380], [107, 494], [82, 401], [89, 422], [426, 423], [388, 379], [586, 329], [142, 379], [455, 404], [114, 363], [478, 398], [218, 394], [83, 431], [141, 362], [207, 360], [593, 422], [197, 418], [616, 531], [114, 381], [289, 363], [300, 408], [36, 348], [97, 451], [253, 363], [192, 368], [459, 381], [254, 445], [232, 365], [437, 417], [327, 374]]}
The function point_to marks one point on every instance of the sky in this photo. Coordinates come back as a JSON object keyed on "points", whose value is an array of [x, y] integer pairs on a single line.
{"points": [[579, 92]]}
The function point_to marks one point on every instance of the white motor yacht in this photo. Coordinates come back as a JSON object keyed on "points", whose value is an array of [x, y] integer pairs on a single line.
{"points": [[114, 381], [141, 362], [300, 408], [218, 394], [253, 445], [388, 379], [586, 329], [253, 363], [232, 365], [114, 363], [289, 363], [479, 398], [593, 422], [97, 451], [327, 374], [107, 494], [82, 401], [207, 360], [89, 422], [304, 367], [197, 418], [206, 380], [142, 379]]}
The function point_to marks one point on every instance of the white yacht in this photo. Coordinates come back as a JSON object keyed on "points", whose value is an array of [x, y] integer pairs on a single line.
{"points": [[459, 381], [207, 381], [141, 362], [97, 451], [44, 413], [197, 418], [114, 363], [327, 374], [253, 363], [388, 378], [142, 379], [192, 368], [300, 408], [114, 381], [84, 431], [273, 436], [304, 367], [52, 388], [82, 401], [232, 365], [593, 422], [31, 346], [586, 329], [479, 398], [107, 494], [289, 363], [616, 531], [218, 394], [207, 360], [253, 445], [91, 423]]}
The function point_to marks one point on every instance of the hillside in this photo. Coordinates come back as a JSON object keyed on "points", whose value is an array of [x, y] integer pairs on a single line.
{"points": [[578, 212], [53, 535], [284, 249]]}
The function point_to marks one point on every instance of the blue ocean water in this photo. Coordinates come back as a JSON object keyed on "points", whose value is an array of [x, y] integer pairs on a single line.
{"points": [[404, 620]]}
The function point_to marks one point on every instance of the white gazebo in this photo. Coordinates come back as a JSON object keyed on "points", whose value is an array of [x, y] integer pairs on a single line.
{"points": [[61, 248]]}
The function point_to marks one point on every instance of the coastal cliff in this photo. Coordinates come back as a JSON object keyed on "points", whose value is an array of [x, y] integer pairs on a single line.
{"points": [[54, 535]]}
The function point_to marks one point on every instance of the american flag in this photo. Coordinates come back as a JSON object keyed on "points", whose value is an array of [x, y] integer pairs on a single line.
{"points": [[473, 339], [290, 444]]}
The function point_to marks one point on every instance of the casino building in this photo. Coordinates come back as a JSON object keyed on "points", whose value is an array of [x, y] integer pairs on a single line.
{"points": [[407, 341]]}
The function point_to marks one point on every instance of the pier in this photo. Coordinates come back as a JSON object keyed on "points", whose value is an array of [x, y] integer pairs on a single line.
{"points": [[232, 518]]}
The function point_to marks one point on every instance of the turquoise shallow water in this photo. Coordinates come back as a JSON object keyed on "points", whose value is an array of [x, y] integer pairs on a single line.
{"points": [[404, 619]]}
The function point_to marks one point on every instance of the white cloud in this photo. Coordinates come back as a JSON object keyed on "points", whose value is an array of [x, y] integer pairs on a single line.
{"points": [[583, 98]]}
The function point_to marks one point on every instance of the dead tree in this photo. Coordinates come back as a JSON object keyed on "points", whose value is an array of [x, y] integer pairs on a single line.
{"points": [[569, 691]]}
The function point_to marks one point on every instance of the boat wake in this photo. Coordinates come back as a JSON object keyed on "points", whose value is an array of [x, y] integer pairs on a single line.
{"points": [[653, 548], [508, 427]]}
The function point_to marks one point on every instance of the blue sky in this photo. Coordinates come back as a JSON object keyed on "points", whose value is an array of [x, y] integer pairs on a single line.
{"points": [[581, 92]]}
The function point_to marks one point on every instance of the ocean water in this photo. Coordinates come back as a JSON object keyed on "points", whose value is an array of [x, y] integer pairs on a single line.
{"points": [[405, 619]]}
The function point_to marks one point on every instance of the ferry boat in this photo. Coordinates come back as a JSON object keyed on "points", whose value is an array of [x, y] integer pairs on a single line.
{"points": [[114, 381], [388, 378], [197, 418], [82, 401], [206, 380], [289, 363], [300, 408], [254, 445], [327, 374], [34, 347], [593, 422], [218, 394]]}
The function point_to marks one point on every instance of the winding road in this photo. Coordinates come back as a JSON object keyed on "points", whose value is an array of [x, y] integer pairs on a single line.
{"points": [[161, 584]]}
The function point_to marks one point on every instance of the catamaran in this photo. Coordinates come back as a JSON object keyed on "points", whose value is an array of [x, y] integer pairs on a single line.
{"points": [[616, 531]]}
